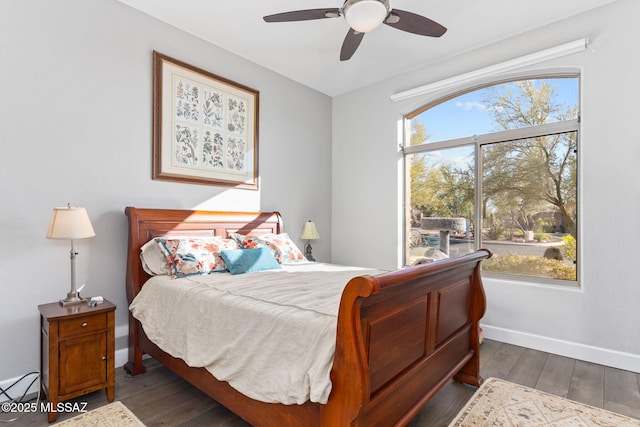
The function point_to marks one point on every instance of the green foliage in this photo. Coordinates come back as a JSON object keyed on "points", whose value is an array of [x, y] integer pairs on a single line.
{"points": [[569, 248], [418, 133], [525, 176], [495, 231], [541, 237], [530, 266], [438, 189], [544, 226]]}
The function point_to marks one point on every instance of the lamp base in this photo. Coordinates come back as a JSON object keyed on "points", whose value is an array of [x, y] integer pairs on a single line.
{"points": [[73, 298], [307, 252]]}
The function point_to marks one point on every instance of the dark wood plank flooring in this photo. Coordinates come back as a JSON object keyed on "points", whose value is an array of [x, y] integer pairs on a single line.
{"points": [[160, 398]]}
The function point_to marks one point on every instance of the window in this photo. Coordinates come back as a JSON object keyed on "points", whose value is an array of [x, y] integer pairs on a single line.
{"points": [[496, 167]]}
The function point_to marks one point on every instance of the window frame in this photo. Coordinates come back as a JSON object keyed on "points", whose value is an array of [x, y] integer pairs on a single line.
{"points": [[477, 142]]}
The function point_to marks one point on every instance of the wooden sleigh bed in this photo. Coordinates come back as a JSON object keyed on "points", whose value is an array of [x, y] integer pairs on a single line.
{"points": [[401, 336]]}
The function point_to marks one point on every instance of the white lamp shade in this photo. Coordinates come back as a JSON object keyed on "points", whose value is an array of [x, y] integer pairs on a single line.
{"points": [[309, 232], [366, 15], [70, 223]]}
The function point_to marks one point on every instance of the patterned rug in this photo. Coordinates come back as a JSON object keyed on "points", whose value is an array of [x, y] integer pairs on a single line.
{"points": [[112, 415], [504, 404]]}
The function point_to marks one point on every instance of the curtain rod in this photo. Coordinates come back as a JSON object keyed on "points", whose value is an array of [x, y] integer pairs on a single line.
{"points": [[523, 61]]}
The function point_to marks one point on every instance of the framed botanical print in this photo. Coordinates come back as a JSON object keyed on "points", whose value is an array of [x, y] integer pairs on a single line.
{"points": [[205, 127]]}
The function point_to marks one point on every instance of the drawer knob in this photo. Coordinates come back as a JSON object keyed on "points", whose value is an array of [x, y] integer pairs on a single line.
{"points": [[84, 324], [104, 357]]}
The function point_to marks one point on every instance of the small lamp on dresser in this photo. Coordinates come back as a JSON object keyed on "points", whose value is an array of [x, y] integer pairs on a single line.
{"points": [[70, 223], [309, 233]]}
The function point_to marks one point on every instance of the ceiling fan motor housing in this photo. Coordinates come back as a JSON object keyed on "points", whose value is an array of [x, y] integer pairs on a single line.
{"points": [[365, 15]]}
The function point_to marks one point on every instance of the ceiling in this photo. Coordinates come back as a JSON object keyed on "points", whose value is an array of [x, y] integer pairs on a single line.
{"points": [[308, 51]]}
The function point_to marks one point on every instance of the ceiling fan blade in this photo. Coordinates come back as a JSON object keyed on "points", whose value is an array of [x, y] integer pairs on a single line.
{"points": [[350, 44], [414, 23], [303, 15]]}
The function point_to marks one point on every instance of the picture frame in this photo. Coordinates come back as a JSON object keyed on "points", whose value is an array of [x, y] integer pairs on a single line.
{"points": [[205, 127]]}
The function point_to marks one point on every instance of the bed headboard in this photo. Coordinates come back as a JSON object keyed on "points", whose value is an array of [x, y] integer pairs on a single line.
{"points": [[145, 224]]}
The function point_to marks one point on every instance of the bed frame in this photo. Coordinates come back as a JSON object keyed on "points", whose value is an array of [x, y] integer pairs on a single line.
{"points": [[401, 336]]}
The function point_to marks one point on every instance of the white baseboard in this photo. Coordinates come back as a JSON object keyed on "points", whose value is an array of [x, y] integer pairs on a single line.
{"points": [[122, 355], [599, 355]]}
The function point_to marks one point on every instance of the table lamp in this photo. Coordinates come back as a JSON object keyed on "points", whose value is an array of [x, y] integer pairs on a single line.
{"points": [[309, 233], [71, 223]]}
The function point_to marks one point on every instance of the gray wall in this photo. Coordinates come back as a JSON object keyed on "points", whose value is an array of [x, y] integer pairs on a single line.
{"points": [[75, 126], [601, 320]]}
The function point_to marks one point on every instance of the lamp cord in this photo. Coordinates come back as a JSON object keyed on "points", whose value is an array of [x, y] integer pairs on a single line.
{"points": [[21, 400]]}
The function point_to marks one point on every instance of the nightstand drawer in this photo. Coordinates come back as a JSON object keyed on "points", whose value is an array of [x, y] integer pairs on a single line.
{"points": [[82, 325]]}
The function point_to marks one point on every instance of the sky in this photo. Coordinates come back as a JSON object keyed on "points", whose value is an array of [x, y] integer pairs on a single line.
{"points": [[468, 115]]}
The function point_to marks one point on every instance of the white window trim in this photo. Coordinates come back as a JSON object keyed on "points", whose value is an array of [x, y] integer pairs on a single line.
{"points": [[496, 69]]}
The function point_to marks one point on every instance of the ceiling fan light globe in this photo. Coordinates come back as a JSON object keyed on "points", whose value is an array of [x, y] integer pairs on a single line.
{"points": [[365, 15]]}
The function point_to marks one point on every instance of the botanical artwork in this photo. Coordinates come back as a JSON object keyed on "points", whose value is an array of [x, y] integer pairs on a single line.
{"points": [[205, 127], [186, 145], [235, 153], [187, 101], [198, 111], [212, 150], [237, 122], [213, 110]]}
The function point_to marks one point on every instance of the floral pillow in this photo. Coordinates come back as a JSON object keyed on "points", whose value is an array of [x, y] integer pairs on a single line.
{"points": [[189, 256], [153, 258], [281, 246], [248, 242]]}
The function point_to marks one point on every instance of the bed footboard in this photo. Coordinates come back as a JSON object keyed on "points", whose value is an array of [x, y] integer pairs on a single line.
{"points": [[402, 336]]}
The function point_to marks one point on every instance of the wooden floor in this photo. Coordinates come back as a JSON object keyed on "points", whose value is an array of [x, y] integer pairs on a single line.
{"points": [[160, 398]]}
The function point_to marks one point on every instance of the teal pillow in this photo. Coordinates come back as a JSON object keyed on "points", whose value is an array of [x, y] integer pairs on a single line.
{"points": [[241, 261]]}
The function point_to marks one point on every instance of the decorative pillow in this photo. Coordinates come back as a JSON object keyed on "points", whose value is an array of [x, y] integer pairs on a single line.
{"points": [[196, 255], [241, 261], [153, 259], [283, 248], [247, 242]]}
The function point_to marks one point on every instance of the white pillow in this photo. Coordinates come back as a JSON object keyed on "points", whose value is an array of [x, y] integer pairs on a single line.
{"points": [[154, 261]]}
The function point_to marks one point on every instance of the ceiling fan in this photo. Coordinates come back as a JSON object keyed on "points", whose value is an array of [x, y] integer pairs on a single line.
{"points": [[364, 16]]}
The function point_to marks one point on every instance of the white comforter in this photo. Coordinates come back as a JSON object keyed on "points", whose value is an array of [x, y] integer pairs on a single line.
{"points": [[271, 335]]}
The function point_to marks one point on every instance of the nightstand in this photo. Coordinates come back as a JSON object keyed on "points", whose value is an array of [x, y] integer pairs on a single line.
{"points": [[77, 351]]}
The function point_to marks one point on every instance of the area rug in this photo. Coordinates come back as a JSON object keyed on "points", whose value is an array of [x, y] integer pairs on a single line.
{"points": [[112, 415], [504, 404]]}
